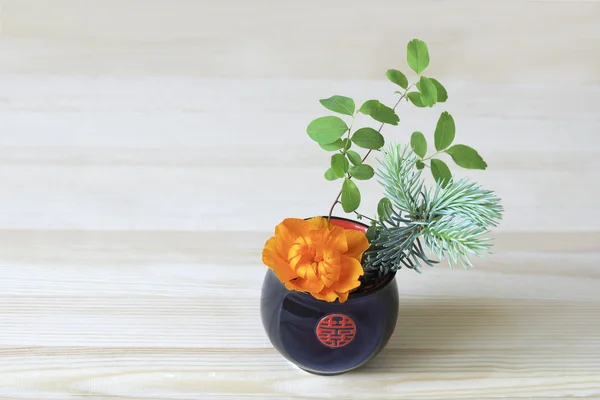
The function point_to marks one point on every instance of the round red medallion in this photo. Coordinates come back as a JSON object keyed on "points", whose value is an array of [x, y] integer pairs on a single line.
{"points": [[336, 330]]}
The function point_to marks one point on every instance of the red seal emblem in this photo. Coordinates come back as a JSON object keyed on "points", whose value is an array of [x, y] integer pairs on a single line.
{"points": [[336, 330]]}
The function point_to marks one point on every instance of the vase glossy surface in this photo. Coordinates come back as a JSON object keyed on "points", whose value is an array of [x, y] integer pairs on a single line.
{"points": [[329, 338]]}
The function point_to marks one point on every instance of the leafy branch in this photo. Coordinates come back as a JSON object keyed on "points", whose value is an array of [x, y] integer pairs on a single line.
{"points": [[445, 132], [348, 165], [365, 138], [328, 131]]}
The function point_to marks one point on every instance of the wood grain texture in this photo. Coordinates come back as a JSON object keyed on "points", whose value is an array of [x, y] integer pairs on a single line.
{"points": [[147, 149]]}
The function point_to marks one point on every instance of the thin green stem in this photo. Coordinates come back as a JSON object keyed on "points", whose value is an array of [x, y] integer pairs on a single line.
{"points": [[349, 131], [364, 216], [433, 155], [337, 199]]}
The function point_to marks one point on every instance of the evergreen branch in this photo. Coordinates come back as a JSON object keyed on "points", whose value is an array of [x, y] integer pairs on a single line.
{"points": [[450, 219], [401, 181], [465, 199], [395, 244], [455, 239]]}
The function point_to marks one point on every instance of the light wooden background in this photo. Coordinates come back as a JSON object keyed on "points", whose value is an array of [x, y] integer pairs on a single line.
{"points": [[148, 147]]}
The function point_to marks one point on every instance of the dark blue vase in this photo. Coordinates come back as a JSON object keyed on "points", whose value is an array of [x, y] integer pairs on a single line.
{"points": [[329, 338]]}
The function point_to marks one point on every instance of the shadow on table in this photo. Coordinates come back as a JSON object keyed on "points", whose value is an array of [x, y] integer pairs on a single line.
{"points": [[430, 331]]}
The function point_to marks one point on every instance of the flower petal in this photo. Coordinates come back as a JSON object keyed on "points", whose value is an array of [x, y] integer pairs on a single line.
{"points": [[326, 294], [343, 296], [294, 260], [308, 282], [351, 271], [300, 252], [296, 226], [313, 279], [337, 240], [318, 223], [305, 285], [288, 231], [272, 259], [302, 269], [329, 271], [357, 244]]}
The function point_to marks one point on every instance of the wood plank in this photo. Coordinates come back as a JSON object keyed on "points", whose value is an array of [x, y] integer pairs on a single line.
{"points": [[167, 373]]}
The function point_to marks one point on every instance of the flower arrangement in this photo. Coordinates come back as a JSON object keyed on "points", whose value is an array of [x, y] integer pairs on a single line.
{"points": [[413, 223]]}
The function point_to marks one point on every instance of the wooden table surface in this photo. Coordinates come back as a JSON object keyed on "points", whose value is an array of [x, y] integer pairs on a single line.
{"points": [[148, 148]]}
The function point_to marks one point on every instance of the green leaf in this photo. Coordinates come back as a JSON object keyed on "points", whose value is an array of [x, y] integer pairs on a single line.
{"points": [[420, 164], [415, 98], [466, 157], [354, 157], [339, 104], [440, 171], [428, 91], [442, 94], [379, 112], [417, 55], [350, 196], [339, 164], [346, 143], [444, 131], [330, 175], [326, 130], [397, 77], [338, 144], [369, 106], [418, 144], [384, 208], [362, 172], [368, 138]]}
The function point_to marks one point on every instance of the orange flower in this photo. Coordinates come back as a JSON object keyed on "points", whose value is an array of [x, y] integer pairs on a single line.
{"points": [[316, 257]]}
